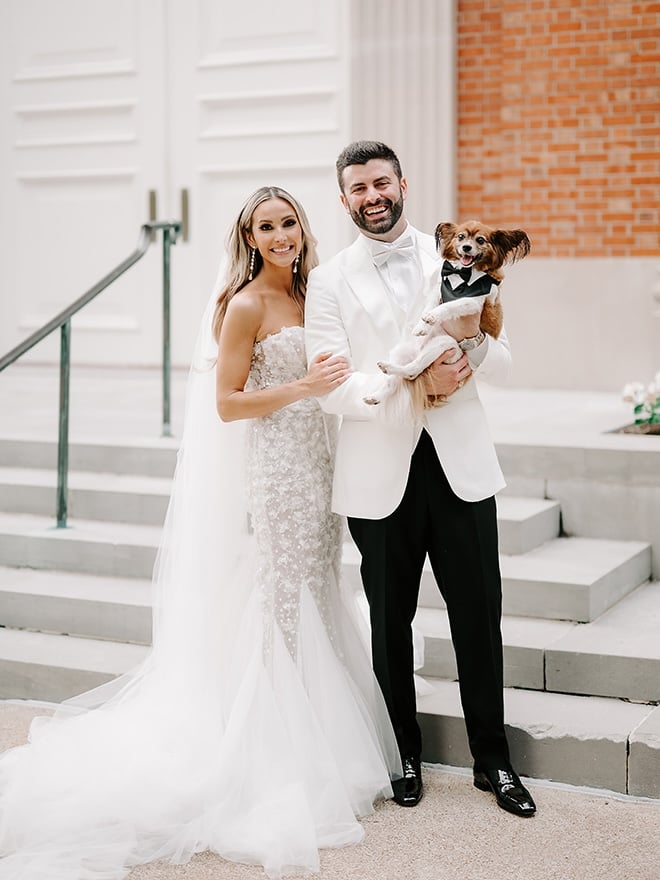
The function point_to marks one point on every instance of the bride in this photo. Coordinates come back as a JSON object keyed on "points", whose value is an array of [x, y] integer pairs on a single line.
{"points": [[254, 728]]}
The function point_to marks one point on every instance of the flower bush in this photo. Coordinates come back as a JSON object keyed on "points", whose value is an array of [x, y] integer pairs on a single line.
{"points": [[645, 401]]}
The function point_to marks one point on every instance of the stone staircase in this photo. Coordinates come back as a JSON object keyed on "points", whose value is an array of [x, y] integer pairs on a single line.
{"points": [[581, 627]]}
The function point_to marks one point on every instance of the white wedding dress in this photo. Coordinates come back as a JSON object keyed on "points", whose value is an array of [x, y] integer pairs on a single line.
{"points": [[255, 728]]}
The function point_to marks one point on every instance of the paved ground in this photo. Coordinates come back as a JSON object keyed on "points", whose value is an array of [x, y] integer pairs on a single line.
{"points": [[458, 833]]}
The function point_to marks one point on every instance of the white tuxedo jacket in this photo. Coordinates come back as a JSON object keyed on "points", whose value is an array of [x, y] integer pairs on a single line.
{"points": [[349, 312]]}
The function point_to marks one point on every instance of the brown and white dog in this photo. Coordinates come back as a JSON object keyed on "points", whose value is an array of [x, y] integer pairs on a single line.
{"points": [[471, 273]]}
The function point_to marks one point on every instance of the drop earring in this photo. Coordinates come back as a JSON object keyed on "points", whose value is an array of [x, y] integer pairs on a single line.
{"points": [[295, 263], [253, 255]]}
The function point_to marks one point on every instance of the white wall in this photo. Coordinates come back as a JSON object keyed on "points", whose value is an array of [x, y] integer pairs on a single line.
{"points": [[591, 324]]}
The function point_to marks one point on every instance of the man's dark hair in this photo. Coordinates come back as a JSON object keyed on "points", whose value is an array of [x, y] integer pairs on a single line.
{"points": [[360, 152]]}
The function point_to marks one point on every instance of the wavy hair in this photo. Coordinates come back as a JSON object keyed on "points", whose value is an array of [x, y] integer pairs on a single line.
{"points": [[238, 249]]}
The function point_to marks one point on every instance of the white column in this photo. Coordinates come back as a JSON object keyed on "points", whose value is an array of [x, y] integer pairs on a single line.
{"points": [[403, 92]]}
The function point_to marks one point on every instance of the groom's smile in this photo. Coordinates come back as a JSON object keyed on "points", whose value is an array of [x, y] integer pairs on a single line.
{"points": [[374, 197]]}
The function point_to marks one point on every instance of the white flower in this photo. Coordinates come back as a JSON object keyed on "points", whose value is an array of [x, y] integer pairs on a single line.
{"points": [[646, 400], [633, 392]]}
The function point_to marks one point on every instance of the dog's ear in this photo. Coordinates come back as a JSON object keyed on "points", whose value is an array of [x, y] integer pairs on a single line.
{"points": [[511, 244], [444, 232]]}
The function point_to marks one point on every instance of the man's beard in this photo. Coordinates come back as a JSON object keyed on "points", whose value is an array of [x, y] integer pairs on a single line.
{"points": [[381, 224]]}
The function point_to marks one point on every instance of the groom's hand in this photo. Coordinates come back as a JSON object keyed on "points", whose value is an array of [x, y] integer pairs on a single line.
{"points": [[441, 379]]}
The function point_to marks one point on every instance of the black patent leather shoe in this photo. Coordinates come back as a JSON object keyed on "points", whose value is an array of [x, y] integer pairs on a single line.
{"points": [[509, 791], [409, 789]]}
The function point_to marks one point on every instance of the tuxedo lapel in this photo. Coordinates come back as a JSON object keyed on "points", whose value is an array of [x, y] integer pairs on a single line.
{"points": [[429, 287], [430, 267]]}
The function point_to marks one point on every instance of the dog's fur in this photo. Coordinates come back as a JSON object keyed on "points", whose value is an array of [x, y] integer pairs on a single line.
{"points": [[470, 244]]}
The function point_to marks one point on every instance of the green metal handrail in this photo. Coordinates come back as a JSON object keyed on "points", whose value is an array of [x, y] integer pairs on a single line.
{"points": [[171, 231]]}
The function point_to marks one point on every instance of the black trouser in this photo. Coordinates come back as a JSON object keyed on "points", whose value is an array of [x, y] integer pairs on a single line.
{"points": [[460, 538]]}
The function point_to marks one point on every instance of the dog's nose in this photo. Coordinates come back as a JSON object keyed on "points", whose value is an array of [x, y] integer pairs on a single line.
{"points": [[467, 248]]}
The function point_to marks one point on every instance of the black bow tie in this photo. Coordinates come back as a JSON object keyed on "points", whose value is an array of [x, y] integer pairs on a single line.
{"points": [[447, 269], [481, 287]]}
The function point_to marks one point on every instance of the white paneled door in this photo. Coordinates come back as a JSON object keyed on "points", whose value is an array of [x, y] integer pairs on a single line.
{"points": [[102, 104], [83, 113]]}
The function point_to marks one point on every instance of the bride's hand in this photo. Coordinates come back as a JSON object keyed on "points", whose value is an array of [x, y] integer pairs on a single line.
{"points": [[326, 372]]}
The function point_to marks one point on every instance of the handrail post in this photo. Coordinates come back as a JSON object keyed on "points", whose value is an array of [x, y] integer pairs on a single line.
{"points": [[167, 426], [62, 321], [63, 433]]}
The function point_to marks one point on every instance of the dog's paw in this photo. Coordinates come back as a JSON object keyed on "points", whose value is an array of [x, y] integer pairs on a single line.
{"points": [[421, 329], [429, 318], [384, 367], [372, 401]]}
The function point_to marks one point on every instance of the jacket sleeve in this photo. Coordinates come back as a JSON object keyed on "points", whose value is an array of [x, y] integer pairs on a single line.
{"points": [[325, 332], [495, 366]]}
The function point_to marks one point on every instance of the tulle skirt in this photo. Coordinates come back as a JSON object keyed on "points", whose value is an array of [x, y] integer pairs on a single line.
{"points": [[229, 737], [271, 768]]}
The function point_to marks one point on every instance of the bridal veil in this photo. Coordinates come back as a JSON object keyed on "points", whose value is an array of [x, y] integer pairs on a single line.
{"points": [[203, 746]]}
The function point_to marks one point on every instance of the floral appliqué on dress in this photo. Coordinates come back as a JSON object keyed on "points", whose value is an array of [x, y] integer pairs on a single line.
{"points": [[290, 459]]}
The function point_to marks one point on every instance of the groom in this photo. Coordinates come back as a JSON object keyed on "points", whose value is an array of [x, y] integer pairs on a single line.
{"points": [[421, 487]]}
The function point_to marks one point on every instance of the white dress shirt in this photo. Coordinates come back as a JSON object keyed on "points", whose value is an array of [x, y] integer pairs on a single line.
{"points": [[399, 270]]}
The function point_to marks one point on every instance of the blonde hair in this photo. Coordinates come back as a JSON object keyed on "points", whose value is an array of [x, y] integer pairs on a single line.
{"points": [[238, 274]]}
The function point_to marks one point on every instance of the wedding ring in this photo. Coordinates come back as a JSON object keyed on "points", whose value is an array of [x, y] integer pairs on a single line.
{"points": [[460, 384]]}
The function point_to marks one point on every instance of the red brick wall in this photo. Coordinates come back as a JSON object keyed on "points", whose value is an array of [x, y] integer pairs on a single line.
{"points": [[559, 122]]}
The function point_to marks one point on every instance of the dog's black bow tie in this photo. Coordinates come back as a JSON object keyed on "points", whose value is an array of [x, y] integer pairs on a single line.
{"points": [[447, 269], [480, 287]]}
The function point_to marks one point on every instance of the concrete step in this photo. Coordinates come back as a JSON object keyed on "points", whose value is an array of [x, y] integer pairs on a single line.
{"points": [[617, 655], [76, 604], [525, 640], [608, 484], [564, 579], [92, 495], [525, 523], [41, 666], [574, 579], [149, 456], [106, 549], [592, 741]]}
